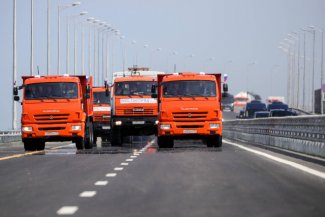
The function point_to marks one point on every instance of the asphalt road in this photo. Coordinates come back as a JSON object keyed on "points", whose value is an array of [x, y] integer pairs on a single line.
{"points": [[138, 179]]}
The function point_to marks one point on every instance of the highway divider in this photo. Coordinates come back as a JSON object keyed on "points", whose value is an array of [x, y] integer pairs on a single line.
{"points": [[303, 134], [10, 136]]}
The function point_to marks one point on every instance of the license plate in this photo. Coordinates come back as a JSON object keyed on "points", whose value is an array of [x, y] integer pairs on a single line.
{"points": [[137, 122], [51, 133], [189, 131], [106, 127]]}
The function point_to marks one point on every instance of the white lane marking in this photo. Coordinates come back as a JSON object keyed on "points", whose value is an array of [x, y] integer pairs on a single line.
{"points": [[118, 168], [124, 164], [136, 154], [129, 160], [110, 174], [280, 160], [101, 183], [67, 210], [87, 194], [133, 156]]}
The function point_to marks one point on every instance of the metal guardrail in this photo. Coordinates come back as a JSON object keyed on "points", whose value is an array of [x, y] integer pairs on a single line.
{"points": [[10, 136], [305, 134]]}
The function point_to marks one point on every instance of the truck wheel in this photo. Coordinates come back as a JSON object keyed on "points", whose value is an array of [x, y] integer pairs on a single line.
{"points": [[40, 145], [214, 141], [116, 137], [89, 136], [218, 141], [165, 142], [29, 145], [80, 143]]}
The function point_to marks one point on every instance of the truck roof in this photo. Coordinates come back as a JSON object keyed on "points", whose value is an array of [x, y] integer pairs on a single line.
{"points": [[134, 78], [188, 76], [49, 78], [151, 74]]}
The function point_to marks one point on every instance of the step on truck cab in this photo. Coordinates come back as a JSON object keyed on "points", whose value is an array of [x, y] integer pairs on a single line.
{"points": [[102, 113], [134, 111], [56, 108], [189, 108]]}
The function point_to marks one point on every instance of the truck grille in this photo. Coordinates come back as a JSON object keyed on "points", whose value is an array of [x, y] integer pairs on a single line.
{"points": [[51, 118], [51, 128], [189, 116], [138, 111], [189, 126]]}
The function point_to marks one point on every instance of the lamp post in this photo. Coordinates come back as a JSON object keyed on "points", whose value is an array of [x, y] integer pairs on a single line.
{"points": [[61, 8], [48, 37], [190, 56], [90, 20], [322, 72], [296, 81], [14, 68], [173, 53], [151, 55], [31, 36], [247, 70]]}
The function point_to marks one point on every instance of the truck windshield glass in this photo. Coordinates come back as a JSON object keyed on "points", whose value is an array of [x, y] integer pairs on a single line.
{"points": [[101, 98], [133, 88], [53, 90], [189, 89]]}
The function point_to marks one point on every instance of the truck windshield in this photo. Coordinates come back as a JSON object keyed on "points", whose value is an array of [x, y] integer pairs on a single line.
{"points": [[101, 98], [53, 90], [133, 88], [189, 88]]}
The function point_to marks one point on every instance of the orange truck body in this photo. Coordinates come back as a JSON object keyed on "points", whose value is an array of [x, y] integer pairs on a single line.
{"points": [[133, 112], [56, 108], [192, 113], [102, 113]]}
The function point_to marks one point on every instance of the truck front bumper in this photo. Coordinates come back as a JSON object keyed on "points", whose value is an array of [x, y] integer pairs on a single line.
{"points": [[207, 128], [135, 125]]}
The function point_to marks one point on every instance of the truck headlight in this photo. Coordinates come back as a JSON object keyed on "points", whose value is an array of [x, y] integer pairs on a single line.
{"points": [[156, 122], [214, 126], [77, 127], [165, 126], [27, 129], [118, 123]]}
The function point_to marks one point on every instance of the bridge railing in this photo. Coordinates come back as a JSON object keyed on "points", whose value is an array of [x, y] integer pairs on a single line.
{"points": [[10, 136], [305, 134]]}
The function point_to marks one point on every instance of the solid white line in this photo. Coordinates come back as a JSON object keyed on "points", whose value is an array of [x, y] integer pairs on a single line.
{"points": [[67, 210], [280, 160], [87, 194], [124, 164], [129, 160], [110, 174], [118, 168], [101, 183]]}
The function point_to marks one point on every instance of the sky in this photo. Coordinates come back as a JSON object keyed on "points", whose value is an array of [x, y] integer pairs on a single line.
{"points": [[236, 37]]}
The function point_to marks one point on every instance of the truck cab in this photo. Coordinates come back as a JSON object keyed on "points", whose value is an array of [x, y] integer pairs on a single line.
{"points": [[189, 108], [56, 108]]}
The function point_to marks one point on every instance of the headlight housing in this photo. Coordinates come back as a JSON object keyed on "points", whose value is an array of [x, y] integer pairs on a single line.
{"points": [[77, 127], [27, 129], [214, 126], [165, 126], [118, 123]]}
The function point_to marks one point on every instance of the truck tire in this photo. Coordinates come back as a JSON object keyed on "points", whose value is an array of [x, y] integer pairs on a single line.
{"points": [[40, 145], [116, 137], [89, 136], [214, 141], [165, 142], [80, 143], [29, 145]]}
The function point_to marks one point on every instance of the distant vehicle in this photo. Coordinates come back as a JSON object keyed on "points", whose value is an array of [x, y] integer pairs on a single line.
{"points": [[240, 100], [272, 99], [277, 105], [261, 114], [281, 113], [252, 107], [227, 103]]}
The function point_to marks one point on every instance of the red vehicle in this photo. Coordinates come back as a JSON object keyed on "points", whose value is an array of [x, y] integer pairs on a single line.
{"points": [[102, 113], [56, 108]]}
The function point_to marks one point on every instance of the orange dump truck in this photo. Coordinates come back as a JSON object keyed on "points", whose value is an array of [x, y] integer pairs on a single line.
{"points": [[189, 108], [102, 113], [56, 108], [134, 111]]}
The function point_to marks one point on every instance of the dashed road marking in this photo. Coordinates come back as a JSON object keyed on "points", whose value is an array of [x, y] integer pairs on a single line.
{"points": [[124, 164], [280, 160], [133, 156], [110, 174], [101, 183], [136, 154], [129, 160], [118, 168], [67, 210], [87, 194]]}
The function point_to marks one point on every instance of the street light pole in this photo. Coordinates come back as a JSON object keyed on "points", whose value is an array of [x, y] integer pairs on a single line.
{"points": [[31, 37], [322, 73], [48, 39], [14, 68]]}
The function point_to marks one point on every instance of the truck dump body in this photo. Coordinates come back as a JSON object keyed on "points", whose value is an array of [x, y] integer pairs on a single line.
{"points": [[189, 107], [56, 108]]}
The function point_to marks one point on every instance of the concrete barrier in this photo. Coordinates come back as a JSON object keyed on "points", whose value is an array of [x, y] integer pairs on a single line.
{"points": [[10, 136], [304, 134]]}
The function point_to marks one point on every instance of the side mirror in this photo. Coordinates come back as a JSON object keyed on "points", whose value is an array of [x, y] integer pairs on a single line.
{"points": [[87, 96], [225, 87], [153, 89], [16, 98], [87, 89], [154, 95], [15, 91]]}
